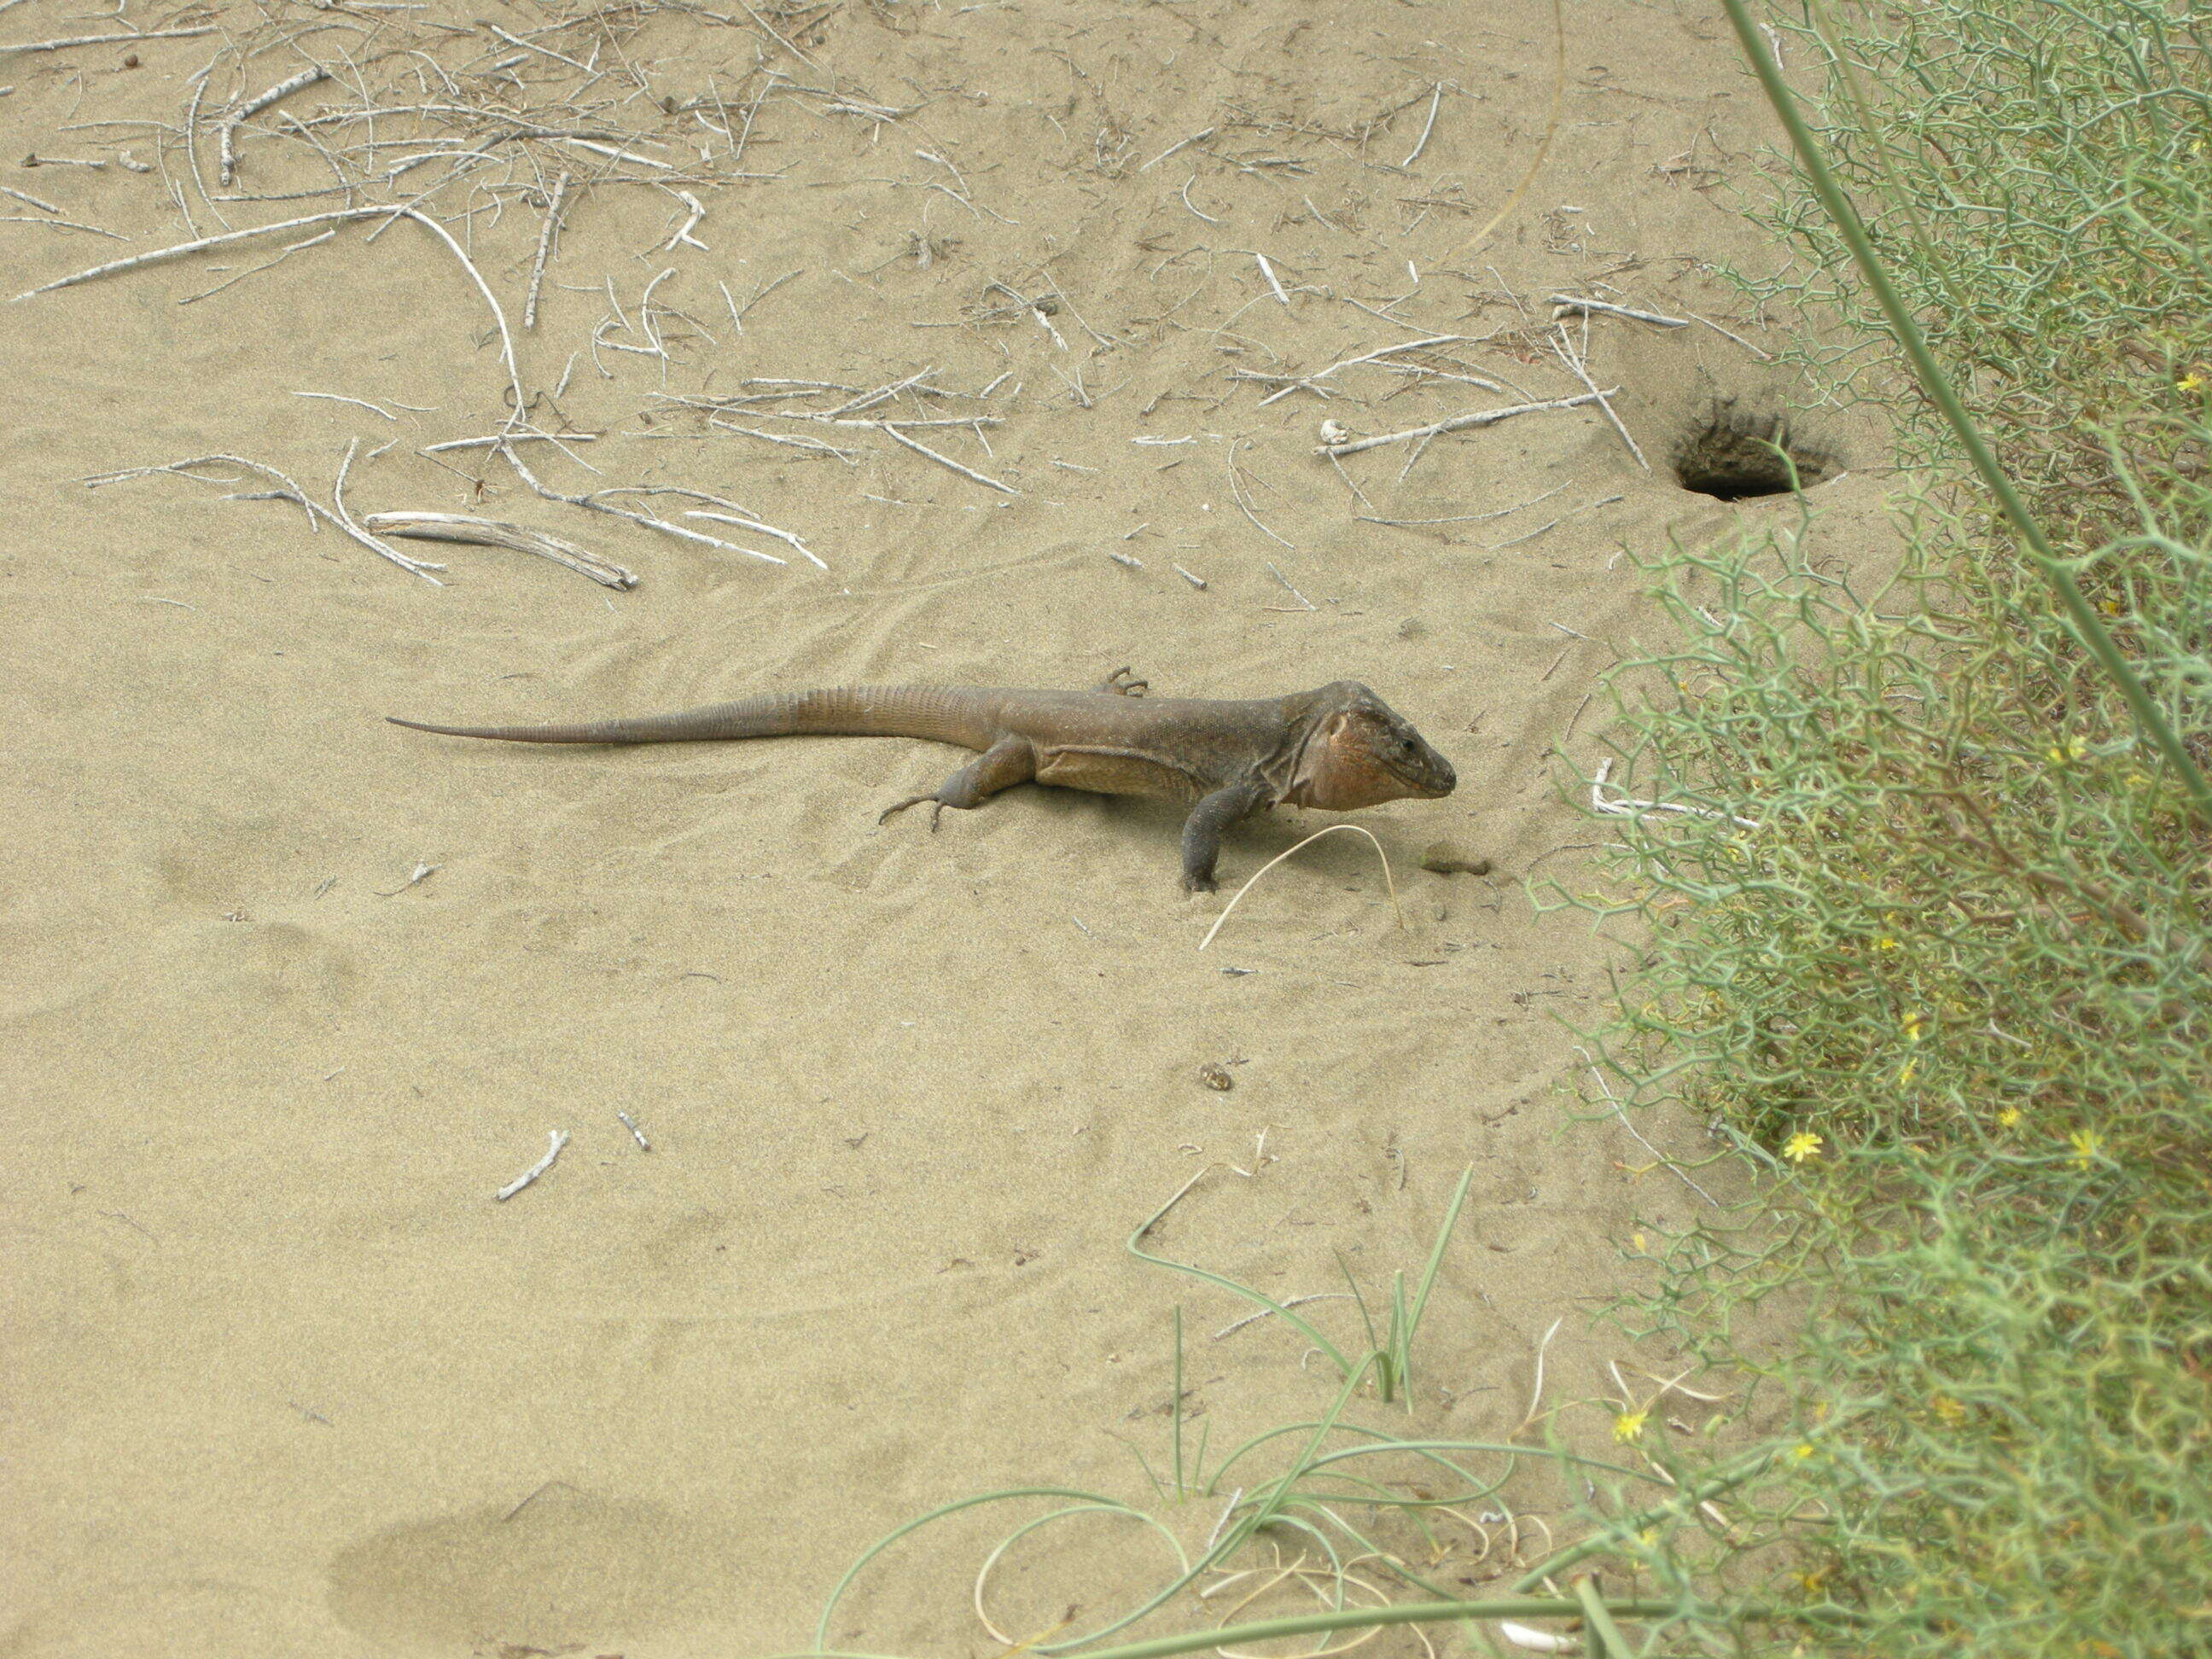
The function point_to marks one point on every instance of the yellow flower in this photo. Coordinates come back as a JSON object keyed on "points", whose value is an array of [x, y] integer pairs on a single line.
{"points": [[1801, 1450], [1885, 943], [1638, 1240], [1911, 1025], [2189, 382], [2084, 1142], [1948, 1409], [2007, 1117], [2072, 750], [1801, 1145], [1628, 1426], [1904, 1074]]}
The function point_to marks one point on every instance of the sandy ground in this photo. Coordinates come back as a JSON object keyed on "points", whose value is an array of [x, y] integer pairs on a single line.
{"points": [[279, 1371]]}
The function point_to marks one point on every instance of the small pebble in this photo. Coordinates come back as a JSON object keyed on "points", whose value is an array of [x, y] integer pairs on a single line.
{"points": [[1214, 1075]]}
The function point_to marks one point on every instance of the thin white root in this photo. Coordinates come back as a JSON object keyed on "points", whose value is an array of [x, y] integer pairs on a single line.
{"points": [[1462, 422], [1622, 807], [493, 532], [556, 1140], [1330, 830]]}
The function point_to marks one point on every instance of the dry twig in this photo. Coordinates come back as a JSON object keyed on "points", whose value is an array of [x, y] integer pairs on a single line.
{"points": [[493, 533], [1461, 423], [103, 40], [942, 460], [1567, 305], [1565, 353], [226, 137]]}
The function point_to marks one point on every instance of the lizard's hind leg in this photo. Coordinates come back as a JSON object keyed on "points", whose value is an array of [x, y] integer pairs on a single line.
{"points": [[1007, 763]]}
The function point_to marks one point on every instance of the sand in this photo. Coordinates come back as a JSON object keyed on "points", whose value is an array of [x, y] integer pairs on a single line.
{"points": [[290, 993]]}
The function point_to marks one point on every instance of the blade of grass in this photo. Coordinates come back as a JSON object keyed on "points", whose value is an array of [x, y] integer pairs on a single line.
{"points": [[1176, 1399], [1436, 1260], [1135, 1248]]}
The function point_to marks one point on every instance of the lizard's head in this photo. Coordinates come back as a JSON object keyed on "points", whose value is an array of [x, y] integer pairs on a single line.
{"points": [[1361, 753]]}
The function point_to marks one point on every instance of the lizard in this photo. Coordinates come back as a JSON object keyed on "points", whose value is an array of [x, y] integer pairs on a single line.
{"points": [[1335, 748]]}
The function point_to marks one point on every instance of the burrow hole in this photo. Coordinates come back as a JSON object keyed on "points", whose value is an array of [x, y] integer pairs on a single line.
{"points": [[1734, 455]]}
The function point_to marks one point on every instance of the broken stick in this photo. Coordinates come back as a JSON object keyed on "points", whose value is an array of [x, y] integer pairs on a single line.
{"points": [[493, 532]]}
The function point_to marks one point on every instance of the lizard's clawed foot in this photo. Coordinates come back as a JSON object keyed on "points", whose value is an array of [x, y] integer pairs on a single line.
{"points": [[1200, 884], [1119, 681], [936, 810]]}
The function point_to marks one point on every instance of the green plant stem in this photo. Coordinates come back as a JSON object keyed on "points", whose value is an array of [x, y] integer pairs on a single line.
{"points": [[1607, 1641], [2088, 628], [837, 1593], [1685, 1500]]}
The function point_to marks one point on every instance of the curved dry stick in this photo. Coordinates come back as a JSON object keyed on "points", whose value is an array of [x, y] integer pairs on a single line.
{"points": [[335, 215], [181, 248], [1357, 829]]}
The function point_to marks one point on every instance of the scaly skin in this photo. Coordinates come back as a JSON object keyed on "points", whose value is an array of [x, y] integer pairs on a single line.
{"points": [[1336, 748]]}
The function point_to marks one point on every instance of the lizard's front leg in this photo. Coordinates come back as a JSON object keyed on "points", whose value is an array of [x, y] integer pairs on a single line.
{"points": [[1202, 830], [1008, 761], [1119, 681]]}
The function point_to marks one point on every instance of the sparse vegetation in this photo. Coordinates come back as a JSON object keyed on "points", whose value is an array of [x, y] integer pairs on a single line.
{"points": [[1953, 997], [1924, 939]]}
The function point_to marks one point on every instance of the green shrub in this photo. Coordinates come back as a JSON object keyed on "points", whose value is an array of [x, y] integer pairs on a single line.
{"points": [[1953, 994]]}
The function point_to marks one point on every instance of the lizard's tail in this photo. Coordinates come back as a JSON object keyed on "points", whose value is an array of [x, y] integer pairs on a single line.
{"points": [[942, 714]]}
